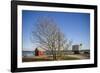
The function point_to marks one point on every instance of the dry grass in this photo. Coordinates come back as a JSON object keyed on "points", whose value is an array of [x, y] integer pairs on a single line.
{"points": [[46, 58]]}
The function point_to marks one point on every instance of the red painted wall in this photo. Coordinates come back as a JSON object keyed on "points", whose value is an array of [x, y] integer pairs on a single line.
{"points": [[40, 53]]}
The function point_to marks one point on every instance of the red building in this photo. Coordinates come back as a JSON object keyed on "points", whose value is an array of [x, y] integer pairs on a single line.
{"points": [[39, 52]]}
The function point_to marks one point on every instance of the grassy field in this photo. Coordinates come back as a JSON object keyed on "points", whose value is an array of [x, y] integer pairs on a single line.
{"points": [[47, 58]]}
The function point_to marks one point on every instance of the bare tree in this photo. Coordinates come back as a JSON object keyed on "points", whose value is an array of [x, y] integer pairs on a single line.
{"points": [[49, 36]]}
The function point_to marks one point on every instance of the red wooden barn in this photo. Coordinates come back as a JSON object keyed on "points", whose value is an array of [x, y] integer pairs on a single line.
{"points": [[39, 52]]}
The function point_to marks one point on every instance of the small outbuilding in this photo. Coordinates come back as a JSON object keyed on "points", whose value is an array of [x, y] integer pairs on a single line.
{"points": [[75, 49], [39, 52]]}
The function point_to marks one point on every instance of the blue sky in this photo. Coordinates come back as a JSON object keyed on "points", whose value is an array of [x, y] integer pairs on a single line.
{"points": [[75, 26]]}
